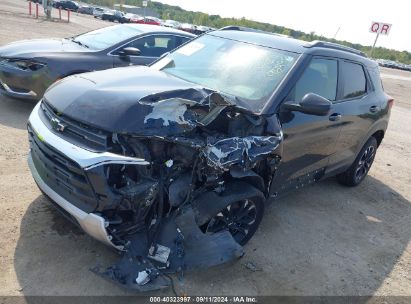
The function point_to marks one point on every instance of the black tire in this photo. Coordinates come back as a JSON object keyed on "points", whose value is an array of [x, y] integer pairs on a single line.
{"points": [[240, 218], [362, 164]]}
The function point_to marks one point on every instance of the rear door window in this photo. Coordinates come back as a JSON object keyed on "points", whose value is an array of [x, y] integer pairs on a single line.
{"points": [[320, 78], [180, 40], [354, 82]]}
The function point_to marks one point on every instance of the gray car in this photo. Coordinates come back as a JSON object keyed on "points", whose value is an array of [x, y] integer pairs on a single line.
{"points": [[29, 67]]}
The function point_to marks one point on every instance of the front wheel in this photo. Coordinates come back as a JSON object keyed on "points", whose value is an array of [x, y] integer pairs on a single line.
{"points": [[362, 164], [240, 218]]}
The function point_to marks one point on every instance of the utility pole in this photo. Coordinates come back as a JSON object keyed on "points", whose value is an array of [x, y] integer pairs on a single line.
{"points": [[335, 35], [144, 9], [375, 42]]}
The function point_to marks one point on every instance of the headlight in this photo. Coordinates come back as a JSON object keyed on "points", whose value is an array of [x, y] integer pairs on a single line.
{"points": [[23, 64]]}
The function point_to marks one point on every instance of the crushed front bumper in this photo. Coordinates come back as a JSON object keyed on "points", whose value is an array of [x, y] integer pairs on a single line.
{"points": [[91, 223]]}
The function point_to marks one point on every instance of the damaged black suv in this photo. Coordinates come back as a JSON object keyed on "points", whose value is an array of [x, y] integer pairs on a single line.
{"points": [[173, 163]]}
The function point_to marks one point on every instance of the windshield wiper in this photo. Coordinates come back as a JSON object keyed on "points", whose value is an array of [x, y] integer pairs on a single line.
{"points": [[80, 43]]}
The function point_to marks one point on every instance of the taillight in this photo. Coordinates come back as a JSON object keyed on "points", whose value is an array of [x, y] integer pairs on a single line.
{"points": [[390, 102]]}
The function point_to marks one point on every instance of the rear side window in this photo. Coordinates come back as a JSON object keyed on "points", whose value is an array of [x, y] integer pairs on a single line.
{"points": [[375, 78], [320, 77], [354, 82]]}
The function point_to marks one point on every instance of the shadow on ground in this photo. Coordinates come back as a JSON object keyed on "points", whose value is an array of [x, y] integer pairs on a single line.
{"points": [[14, 112], [322, 240]]}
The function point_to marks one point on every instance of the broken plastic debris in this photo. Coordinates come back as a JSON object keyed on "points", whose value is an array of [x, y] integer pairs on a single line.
{"points": [[169, 163], [143, 277], [159, 253]]}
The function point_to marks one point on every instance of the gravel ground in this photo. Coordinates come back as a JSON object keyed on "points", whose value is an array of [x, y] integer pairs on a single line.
{"points": [[322, 240]]}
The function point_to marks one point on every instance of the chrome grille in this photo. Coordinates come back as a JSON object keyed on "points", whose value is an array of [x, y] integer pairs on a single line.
{"points": [[72, 131], [62, 174]]}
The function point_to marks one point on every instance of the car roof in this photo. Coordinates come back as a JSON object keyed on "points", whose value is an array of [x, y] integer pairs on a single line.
{"points": [[285, 43], [149, 28]]}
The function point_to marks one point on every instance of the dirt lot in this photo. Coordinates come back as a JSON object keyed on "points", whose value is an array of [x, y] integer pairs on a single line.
{"points": [[322, 240]]}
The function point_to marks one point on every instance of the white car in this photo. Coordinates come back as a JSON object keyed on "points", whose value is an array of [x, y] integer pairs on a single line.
{"points": [[98, 12], [172, 24]]}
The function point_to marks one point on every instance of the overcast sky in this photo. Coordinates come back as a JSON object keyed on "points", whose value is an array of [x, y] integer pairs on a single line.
{"points": [[354, 17]]}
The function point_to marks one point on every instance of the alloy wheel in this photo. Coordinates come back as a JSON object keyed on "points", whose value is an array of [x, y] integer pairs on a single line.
{"points": [[365, 162], [238, 218]]}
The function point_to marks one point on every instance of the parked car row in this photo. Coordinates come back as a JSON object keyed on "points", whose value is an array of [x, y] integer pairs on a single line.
{"points": [[187, 27], [393, 64], [117, 16], [121, 17]]}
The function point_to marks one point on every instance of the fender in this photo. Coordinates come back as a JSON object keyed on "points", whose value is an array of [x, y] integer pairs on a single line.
{"points": [[380, 125]]}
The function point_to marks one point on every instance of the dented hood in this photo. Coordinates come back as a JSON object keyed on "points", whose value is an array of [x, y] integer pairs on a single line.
{"points": [[137, 100]]}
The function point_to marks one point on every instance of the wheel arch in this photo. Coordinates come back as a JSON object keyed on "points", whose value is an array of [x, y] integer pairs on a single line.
{"points": [[377, 131], [378, 135], [210, 203]]}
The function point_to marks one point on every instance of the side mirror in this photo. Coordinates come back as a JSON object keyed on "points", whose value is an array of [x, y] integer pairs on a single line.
{"points": [[311, 103], [130, 51]]}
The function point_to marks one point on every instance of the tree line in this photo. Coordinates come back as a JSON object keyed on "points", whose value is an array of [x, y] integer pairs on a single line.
{"points": [[176, 13]]}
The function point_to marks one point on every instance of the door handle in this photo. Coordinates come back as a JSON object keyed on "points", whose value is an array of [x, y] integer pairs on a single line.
{"points": [[374, 109], [335, 117]]}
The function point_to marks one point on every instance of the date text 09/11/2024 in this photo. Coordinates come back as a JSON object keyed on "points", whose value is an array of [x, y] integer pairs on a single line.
{"points": [[203, 299]]}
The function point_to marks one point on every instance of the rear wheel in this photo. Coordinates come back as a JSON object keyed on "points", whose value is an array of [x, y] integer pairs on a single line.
{"points": [[362, 164], [240, 218]]}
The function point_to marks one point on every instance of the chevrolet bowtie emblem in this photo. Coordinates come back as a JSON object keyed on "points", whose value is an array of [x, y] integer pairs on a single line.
{"points": [[57, 125]]}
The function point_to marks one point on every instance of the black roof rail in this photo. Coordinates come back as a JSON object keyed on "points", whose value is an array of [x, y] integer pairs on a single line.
{"points": [[335, 46], [242, 29], [248, 29]]}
